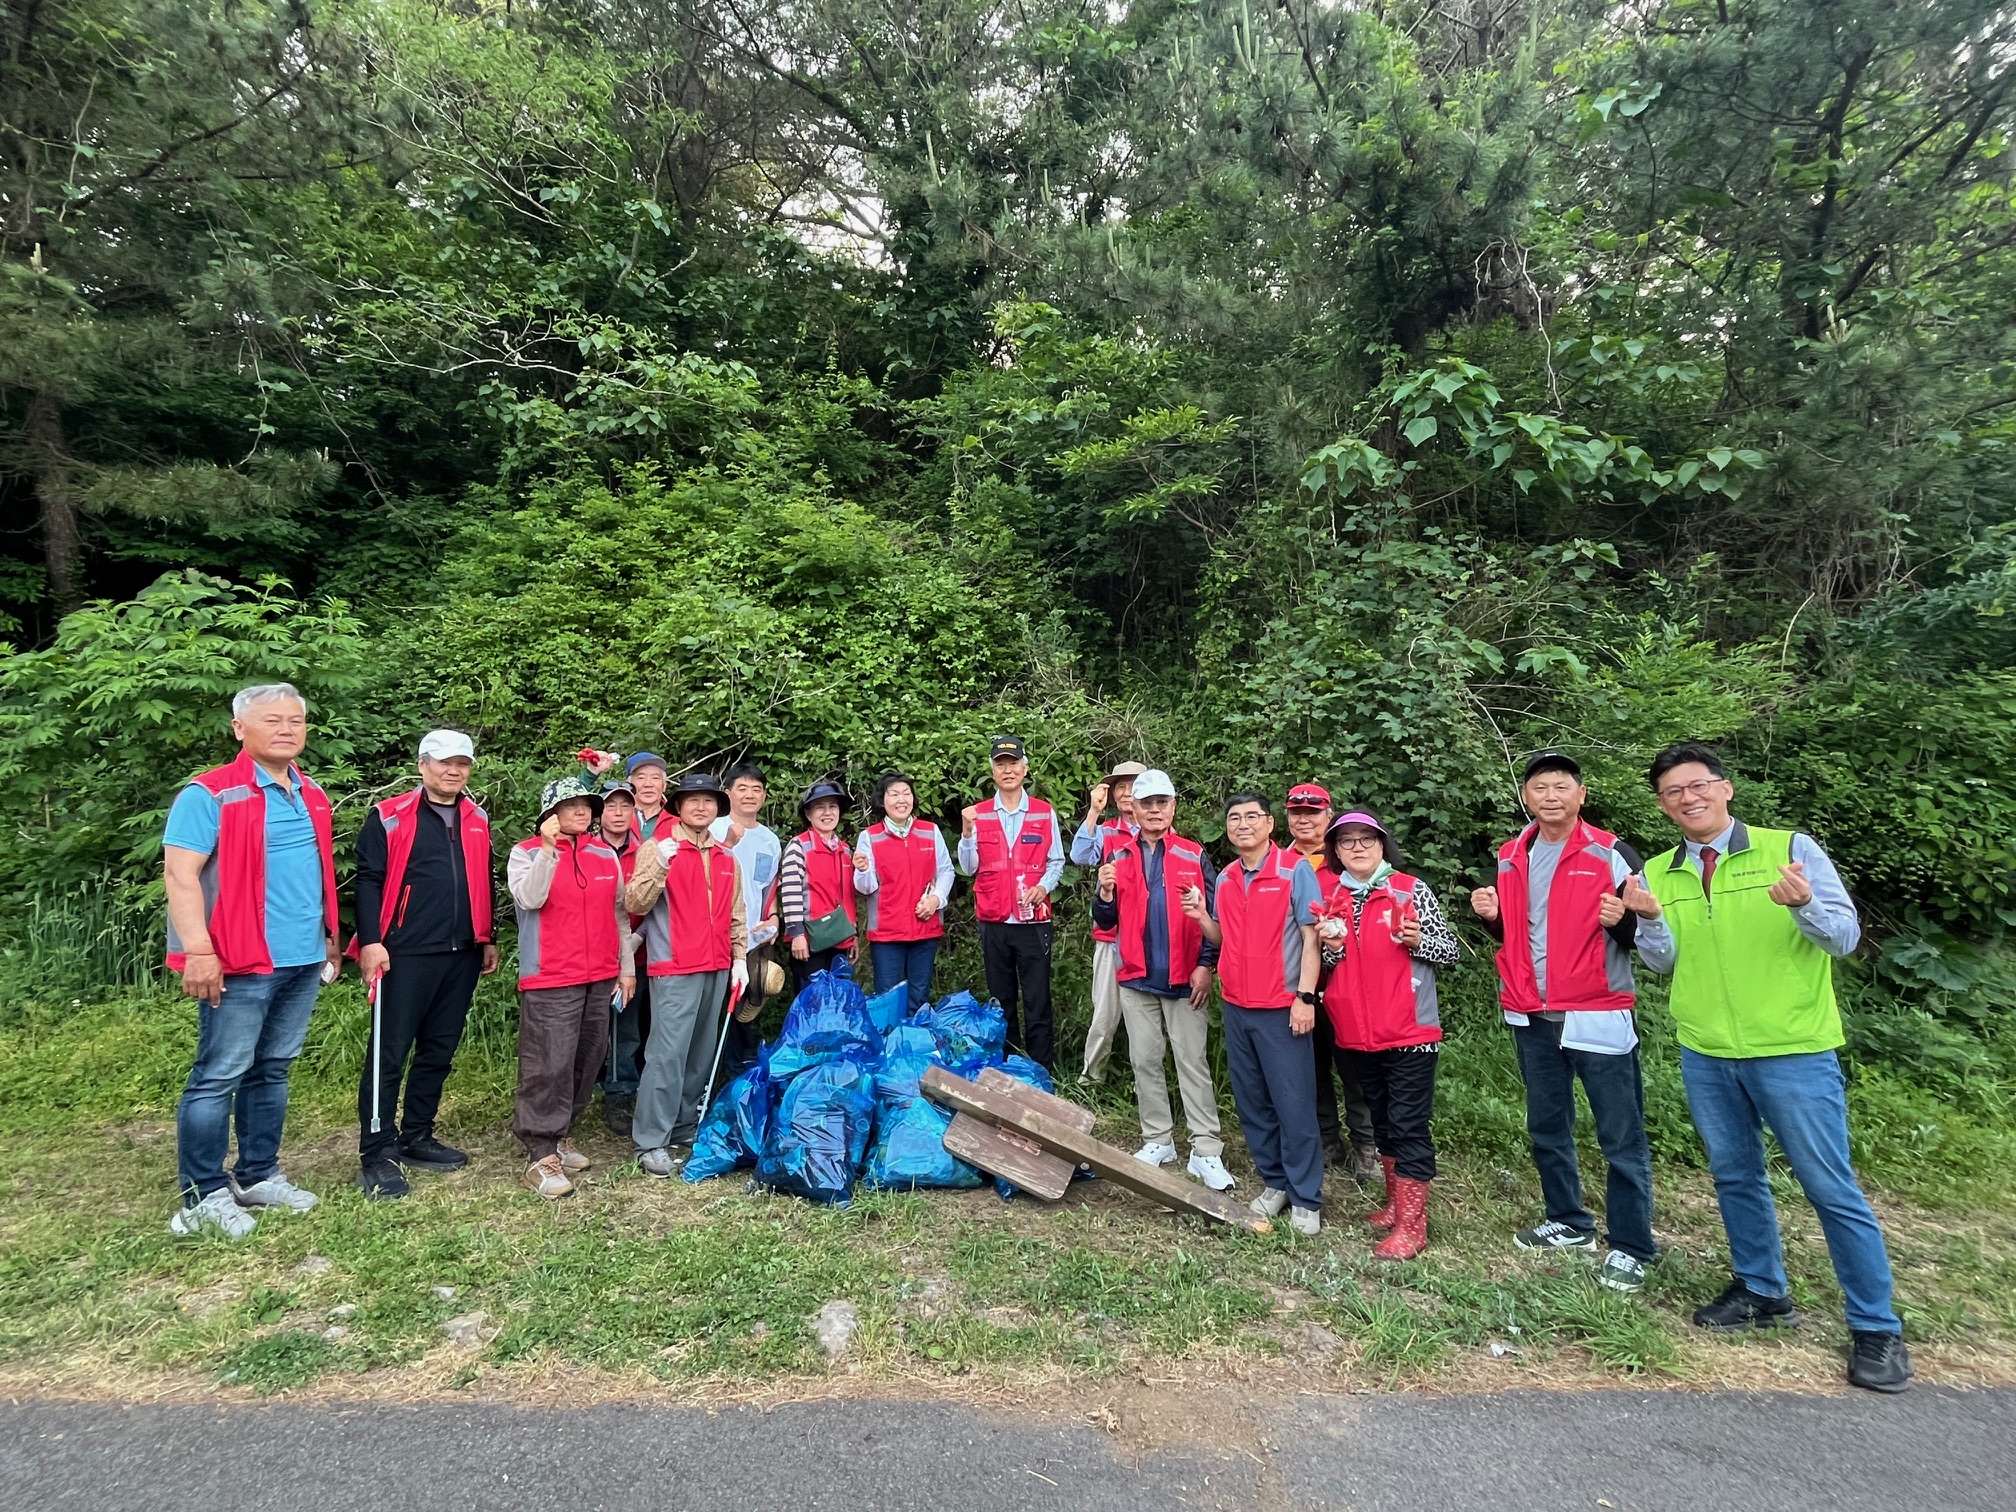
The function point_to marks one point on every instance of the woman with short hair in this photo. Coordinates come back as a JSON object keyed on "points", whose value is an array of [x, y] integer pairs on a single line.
{"points": [[904, 870], [1384, 934]]}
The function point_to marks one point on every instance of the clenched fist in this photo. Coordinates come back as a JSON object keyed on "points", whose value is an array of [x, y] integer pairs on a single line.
{"points": [[1484, 903], [1610, 911]]}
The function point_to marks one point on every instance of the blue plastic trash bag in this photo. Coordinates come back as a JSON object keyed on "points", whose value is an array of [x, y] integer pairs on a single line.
{"points": [[969, 1033], [1031, 1074], [907, 1052], [828, 1021], [737, 1123], [819, 1132], [886, 1009], [910, 1148]]}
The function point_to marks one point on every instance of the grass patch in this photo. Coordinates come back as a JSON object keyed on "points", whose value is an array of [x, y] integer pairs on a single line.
{"points": [[713, 1287]]}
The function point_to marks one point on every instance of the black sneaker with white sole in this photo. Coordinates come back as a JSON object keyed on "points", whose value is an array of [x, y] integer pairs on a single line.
{"points": [[1554, 1236], [1739, 1308]]}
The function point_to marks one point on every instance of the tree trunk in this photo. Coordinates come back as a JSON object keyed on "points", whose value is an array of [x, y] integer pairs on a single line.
{"points": [[56, 491]]}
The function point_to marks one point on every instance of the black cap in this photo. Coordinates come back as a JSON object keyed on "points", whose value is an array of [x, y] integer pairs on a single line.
{"points": [[1551, 761], [824, 789], [696, 782], [1008, 747]]}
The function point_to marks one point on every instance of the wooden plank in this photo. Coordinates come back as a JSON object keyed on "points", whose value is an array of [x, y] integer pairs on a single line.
{"points": [[1037, 1100], [1058, 1137], [1013, 1157]]}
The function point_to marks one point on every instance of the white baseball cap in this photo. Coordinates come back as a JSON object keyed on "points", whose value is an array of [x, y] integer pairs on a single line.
{"points": [[440, 745], [1153, 783]]}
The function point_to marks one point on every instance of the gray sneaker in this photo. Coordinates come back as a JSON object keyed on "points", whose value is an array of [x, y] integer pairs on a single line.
{"points": [[275, 1191], [1551, 1235], [656, 1162], [1621, 1272], [218, 1213]]}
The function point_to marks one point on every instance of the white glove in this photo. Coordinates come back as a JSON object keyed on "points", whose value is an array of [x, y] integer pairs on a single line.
{"points": [[666, 847], [738, 976]]}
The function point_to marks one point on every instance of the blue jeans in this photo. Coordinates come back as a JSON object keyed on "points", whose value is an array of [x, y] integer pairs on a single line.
{"points": [[1803, 1100], [245, 1047], [1617, 1099], [911, 961]]}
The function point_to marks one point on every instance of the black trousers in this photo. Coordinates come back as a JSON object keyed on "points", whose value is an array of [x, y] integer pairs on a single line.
{"points": [[803, 971], [1331, 1068], [1400, 1089], [423, 1006], [1017, 957]]}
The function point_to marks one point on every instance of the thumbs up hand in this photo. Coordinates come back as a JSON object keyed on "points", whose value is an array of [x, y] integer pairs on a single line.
{"points": [[1610, 911], [1792, 889], [1639, 900]]}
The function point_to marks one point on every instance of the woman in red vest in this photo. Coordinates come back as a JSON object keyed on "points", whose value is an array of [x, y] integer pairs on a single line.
{"points": [[575, 951], [904, 870], [815, 891], [1384, 935]]}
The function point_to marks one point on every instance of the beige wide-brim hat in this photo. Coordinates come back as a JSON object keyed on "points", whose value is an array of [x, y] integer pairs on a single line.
{"points": [[1127, 770]]}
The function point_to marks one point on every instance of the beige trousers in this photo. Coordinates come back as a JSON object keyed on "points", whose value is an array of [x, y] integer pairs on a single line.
{"points": [[1152, 1023], [1105, 1009]]}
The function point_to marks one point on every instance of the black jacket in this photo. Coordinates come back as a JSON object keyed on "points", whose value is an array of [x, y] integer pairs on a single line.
{"points": [[432, 914]]}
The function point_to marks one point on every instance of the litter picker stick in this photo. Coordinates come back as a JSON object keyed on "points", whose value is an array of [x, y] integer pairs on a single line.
{"points": [[377, 1050], [720, 1044]]}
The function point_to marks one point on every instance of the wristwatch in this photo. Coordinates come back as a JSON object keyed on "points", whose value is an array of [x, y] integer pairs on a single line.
{"points": [[1308, 997]]}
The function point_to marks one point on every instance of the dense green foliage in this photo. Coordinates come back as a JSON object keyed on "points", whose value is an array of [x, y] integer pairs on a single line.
{"points": [[1371, 391]]}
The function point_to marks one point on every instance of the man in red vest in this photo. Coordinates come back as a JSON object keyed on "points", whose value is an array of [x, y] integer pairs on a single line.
{"points": [[251, 877], [1090, 846], [689, 890], [1564, 973], [1013, 850], [1151, 892], [1309, 815], [425, 902]]}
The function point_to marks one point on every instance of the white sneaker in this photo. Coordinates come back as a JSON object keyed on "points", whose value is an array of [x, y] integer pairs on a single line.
{"points": [[1306, 1221], [571, 1159], [1270, 1202], [1210, 1170], [275, 1191], [218, 1213], [1156, 1154], [656, 1162]]}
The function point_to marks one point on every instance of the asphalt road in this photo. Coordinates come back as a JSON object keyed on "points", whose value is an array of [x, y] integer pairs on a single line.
{"points": [[1634, 1452]]}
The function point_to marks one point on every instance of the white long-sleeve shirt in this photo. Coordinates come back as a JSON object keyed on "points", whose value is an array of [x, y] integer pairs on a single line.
{"points": [[868, 882]]}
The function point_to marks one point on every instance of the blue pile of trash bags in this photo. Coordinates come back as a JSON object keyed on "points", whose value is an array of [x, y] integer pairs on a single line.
{"points": [[834, 1100]]}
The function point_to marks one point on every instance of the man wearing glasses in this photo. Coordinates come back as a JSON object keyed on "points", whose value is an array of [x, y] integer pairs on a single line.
{"points": [[1748, 921]]}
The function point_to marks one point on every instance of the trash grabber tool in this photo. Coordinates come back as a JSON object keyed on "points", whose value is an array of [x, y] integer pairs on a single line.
{"points": [[377, 1050], [721, 1043]]}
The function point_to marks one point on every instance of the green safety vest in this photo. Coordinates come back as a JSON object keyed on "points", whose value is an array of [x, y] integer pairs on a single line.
{"points": [[1746, 982]]}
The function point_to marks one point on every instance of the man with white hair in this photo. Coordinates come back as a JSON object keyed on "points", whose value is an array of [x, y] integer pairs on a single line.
{"points": [[251, 877], [425, 902]]}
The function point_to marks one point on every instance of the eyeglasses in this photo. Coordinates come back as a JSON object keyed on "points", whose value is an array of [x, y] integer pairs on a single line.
{"points": [[1698, 788], [1351, 842]]}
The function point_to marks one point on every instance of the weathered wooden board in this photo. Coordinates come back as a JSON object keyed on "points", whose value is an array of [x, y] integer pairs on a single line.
{"points": [[990, 1105], [1016, 1157], [1013, 1157]]}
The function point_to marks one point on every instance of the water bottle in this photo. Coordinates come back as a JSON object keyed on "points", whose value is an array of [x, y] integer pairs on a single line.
{"points": [[1025, 911]]}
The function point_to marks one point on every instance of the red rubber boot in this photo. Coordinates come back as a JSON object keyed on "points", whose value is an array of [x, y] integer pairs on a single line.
{"points": [[1383, 1219], [1410, 1222]]}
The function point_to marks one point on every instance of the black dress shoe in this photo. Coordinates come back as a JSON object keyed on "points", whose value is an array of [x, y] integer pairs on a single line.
{"points": [[381, 1180], [1879, 1362], [1739, 1308], [426, 1150]]}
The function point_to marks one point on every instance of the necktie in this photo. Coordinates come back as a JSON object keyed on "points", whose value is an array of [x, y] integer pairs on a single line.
{"points": [[1707, 867]]}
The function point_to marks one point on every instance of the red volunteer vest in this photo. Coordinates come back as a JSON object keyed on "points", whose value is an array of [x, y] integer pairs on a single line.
{"points": [[1253, 920], [829, 879], [571, 938], [1182, 868], [905, 868], [1112, 835], [690, 929], [1578, 979], [396, 814], [1370, 997], [996, 884], [234, 878]]}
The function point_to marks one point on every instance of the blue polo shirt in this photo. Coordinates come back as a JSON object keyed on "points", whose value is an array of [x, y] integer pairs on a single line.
{"points": [[294, 931]]}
